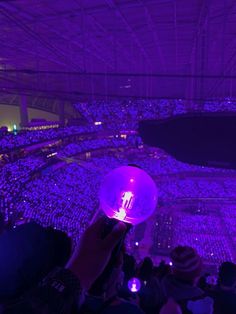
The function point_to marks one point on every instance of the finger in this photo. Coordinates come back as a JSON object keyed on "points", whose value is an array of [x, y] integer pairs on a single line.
{"points": [[115, 236], [97, 226]]}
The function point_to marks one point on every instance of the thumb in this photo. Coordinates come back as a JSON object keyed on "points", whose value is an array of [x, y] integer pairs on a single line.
{"points": [[115, 236]]}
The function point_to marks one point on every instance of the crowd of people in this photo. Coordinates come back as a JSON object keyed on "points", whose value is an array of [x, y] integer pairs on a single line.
{"points": [[64, 188], [16, 175], [11, 141], [69, 199], [209, 232], [57, 203], [198, 188], [13, 178], [101, 277], [226, 105], [90, 145], [127, 113]]}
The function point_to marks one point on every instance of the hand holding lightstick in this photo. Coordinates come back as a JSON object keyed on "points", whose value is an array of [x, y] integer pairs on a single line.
{"points": [[127, 194]]}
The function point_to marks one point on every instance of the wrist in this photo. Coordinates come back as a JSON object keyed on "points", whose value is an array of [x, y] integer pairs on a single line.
{"points": [[83, 276]]}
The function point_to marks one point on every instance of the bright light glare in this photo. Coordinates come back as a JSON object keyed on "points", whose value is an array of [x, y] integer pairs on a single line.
{"points": [[121, 214], [128, 194], [134, 285], [127, 202]]}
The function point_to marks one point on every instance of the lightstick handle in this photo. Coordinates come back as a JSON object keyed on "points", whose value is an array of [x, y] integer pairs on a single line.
{"points": [[99, 285]]}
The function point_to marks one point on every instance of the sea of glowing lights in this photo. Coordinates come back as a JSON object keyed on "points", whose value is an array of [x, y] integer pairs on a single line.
{"points": [[196, 204]]}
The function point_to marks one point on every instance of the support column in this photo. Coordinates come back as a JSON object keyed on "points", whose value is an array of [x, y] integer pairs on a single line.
{"points": [[24, 119]]}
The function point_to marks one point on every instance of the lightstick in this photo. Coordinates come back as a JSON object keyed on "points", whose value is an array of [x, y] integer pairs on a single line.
{"points": [[134, 285], [128, 194]]}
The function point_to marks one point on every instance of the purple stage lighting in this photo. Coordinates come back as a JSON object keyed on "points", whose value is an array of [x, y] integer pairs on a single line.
{"points": [[134, 285], [128, 194]]}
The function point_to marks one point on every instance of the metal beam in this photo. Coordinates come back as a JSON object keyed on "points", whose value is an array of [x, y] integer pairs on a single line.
{"points": [[112, 5], [106, 33], [29, 52], [152, 29], [11, 17], [119, 74], [191, 83], [229, 66]]}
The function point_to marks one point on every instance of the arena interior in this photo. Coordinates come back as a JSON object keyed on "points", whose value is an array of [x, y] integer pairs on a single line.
{"points": [[77, 77]]}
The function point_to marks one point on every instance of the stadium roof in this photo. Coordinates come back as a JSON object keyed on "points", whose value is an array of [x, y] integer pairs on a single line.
{"points": [[78, 50]]}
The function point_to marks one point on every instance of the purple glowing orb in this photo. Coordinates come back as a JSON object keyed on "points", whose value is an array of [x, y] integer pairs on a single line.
{"points": [[134, 285], [128, 194]]}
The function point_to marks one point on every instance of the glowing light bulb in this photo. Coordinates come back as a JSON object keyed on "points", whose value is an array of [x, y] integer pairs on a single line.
{"points": [[128, 194], [134, 285]]}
